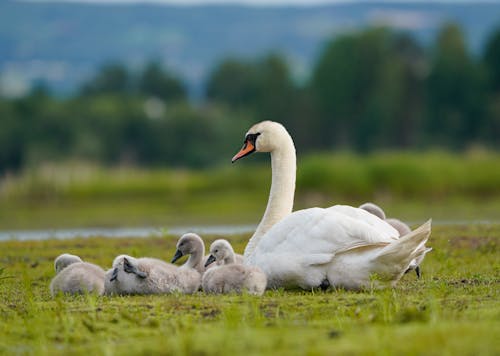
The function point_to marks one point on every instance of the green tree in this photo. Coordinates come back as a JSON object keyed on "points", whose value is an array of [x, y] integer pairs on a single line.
{"points": [[111, 78], [155, 81], [455, 89], [491, 61], [234, 83], [368, 89], [263, 87]]}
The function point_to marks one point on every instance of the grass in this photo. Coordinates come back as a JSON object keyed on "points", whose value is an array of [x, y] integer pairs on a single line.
{"points": [[454, 309], [447, 186]]}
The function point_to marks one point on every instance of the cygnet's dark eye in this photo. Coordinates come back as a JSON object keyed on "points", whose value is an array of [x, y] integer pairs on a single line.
{"points": [[216, 251]]}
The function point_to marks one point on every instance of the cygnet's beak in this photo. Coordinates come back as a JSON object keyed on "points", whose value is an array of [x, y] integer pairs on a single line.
{"points": [[248, 147], [114, 275], [178, 254], [210, 260]]}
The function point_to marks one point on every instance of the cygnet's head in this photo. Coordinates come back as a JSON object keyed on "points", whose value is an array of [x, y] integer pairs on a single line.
{"points": [[188, 244], [373, 209], [126, 267], [219, 250], [266, 136], [64, 260]]}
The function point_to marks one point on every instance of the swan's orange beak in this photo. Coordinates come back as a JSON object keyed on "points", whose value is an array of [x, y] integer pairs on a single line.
{"points": [[247, 148]]}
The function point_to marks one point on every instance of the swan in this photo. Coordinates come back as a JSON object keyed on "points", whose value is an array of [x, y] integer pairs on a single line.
{"points": [[376, 210], [401, 227], [147, 275], [228, 276], [339, 246], [73, 276]]}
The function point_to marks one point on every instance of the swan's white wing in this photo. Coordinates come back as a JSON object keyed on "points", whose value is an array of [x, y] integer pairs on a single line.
{"points": [[362, 215], [322, 232]]}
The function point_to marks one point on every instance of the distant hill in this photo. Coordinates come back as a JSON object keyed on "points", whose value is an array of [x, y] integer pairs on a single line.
{"points": [[63, 44]]}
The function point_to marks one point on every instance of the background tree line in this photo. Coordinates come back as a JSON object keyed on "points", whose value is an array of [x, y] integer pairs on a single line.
{"points": [[369, 90]]}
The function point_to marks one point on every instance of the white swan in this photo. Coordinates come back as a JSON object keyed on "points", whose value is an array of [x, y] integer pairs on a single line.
{"points": [[376, 210], [76, 277], [146, 275], [229, 277], [340, 246], [400, 226]]}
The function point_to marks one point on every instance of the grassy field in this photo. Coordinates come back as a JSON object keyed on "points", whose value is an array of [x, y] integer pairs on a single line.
{"points": [[453, 310], [413, 186]]}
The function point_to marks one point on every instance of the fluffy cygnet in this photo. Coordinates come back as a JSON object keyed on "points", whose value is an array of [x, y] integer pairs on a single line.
{"points": [[402, 228], [76, 277], [230, 277], [146, 275], [376, 210], [191, 244], [373, 209], [64, 260]]}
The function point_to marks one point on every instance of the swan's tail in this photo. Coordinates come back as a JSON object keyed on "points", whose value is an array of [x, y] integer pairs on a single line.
{"points": [[407, 252]]}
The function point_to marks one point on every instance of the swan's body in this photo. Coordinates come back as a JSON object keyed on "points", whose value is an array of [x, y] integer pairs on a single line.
{"points": [[341, 246], [76, 277], [146, 275], [400, 227], [376, 210], [229, 277]]}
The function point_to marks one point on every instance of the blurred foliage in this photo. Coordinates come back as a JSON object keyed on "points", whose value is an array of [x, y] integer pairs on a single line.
{"points": [[371, 90], [428, 176], [414, 186]]}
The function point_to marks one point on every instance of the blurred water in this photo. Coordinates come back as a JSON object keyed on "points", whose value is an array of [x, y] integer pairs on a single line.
{"points": [[23, 235], [224, 230]]}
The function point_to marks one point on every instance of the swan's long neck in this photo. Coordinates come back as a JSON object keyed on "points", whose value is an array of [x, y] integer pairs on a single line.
{"points": [[280, 203]]}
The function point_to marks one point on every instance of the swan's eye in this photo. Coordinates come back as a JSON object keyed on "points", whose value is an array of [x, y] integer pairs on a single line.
{"points": [[252, 138], [216, 251]]}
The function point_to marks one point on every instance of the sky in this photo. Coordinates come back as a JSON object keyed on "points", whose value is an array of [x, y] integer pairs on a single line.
{"points": [[256, 2]]}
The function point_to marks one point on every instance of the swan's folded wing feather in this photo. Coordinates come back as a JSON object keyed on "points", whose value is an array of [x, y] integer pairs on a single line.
{"points": [[381, 226], [323, 231]]}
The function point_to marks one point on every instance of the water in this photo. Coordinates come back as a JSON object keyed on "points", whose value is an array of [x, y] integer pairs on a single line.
{"points": [[223, 230], [23, 235]]}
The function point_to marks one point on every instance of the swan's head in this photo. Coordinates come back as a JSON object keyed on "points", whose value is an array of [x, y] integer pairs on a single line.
{"points": [[219, 250], [266, 136], [188, 244], [64, 260]]}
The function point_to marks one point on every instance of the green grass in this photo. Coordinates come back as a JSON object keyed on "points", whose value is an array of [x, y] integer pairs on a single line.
{"points": [[453, 310], [443, 185]]}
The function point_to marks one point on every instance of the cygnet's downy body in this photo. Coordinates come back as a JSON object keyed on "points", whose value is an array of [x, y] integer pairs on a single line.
{"points": [[146, 275], [376, 210], [229, 277], [76, 277]]}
